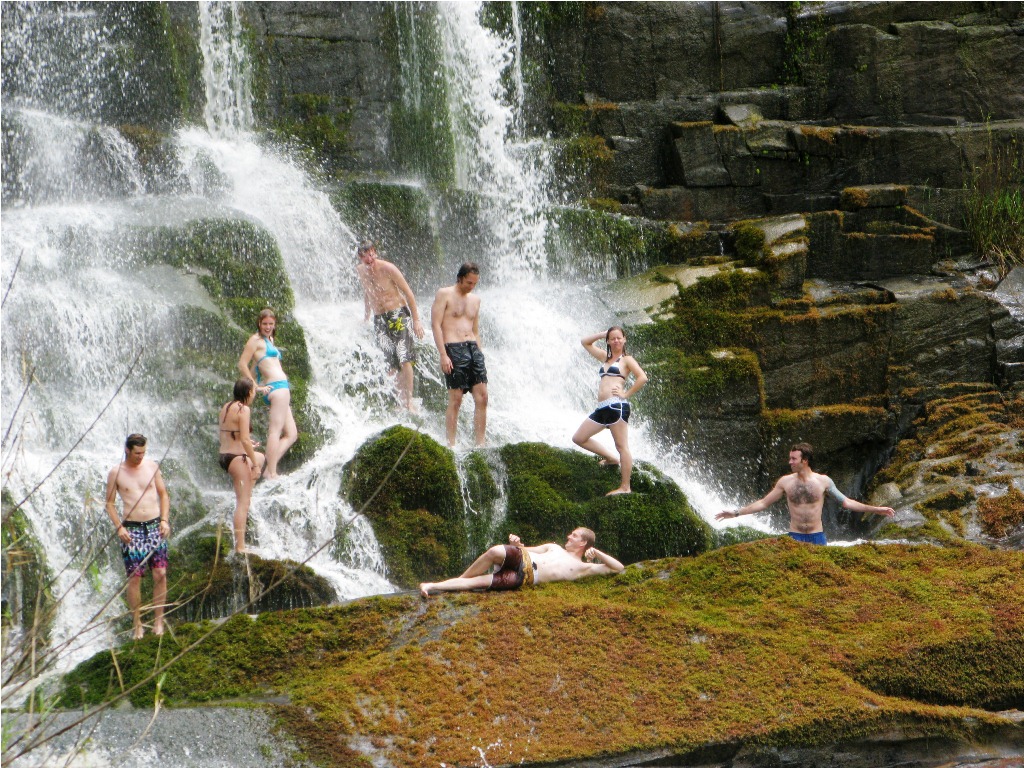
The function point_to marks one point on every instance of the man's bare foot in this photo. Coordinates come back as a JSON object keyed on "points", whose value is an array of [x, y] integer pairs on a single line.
{"points": [[608, 463], [618, 491], [425, 589], [158, 628], [138, 632]]}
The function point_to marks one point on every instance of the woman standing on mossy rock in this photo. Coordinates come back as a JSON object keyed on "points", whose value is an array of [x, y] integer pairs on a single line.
{"points": [[265, 361], [613, 406], [236, 443]]}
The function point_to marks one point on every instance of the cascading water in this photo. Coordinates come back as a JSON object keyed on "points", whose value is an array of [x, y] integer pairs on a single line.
{"points": [[86, 300], [541, 383]]}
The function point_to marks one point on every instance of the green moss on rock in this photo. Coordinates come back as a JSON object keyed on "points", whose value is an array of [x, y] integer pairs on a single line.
{"points": [[206, 581], [769, 642], [552, 491], [240, 266], [999, 515], [484, 500], [407, 486], [321, 124]]}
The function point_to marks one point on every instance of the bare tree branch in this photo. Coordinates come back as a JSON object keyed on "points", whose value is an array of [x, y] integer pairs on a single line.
{"points": [[43, 738]]}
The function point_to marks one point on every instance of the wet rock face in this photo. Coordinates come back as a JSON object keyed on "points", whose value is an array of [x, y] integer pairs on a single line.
{"points": [[960, 471]]}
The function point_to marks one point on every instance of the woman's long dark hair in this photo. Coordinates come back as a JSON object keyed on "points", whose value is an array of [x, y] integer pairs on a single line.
{"points": [[243, 388]]}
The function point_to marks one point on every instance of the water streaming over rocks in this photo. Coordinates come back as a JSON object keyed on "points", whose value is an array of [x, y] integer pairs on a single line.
{"points": [[88, 300]]}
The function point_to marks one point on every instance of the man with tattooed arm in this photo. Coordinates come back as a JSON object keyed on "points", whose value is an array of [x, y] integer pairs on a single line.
{"points": [[805, 491]]}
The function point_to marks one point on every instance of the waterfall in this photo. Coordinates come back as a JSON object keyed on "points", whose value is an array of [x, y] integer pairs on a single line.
{"points": [[226, 70], [86, 299], [542, 384], [296, 515], [511, 176]]}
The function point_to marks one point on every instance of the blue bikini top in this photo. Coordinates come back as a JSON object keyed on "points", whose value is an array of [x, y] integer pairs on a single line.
{"points": [[271, 351], [613, 370]]}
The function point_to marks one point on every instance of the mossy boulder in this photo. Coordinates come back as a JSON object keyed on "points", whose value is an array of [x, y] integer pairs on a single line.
{"points": [[727, 650], [240, 266], [484, 496], [407, 486], [551, 491], [207, 581]]}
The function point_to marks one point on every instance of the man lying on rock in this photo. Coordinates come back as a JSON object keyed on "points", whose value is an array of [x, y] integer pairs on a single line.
{"points": [[518, 566]]}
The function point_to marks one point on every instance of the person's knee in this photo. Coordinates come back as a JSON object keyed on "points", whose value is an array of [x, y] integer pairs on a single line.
{"points": [[497, 553], [579, 439], [455, 398]]}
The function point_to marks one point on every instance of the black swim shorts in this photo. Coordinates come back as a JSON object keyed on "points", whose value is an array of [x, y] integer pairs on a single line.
{"points": [[609, 412], [468, 367]]}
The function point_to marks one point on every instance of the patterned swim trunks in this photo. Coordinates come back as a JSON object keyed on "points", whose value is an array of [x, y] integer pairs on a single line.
{"points": [[394, 336], [146, 550]]}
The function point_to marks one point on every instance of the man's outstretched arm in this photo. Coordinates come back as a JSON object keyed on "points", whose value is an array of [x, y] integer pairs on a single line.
{"points": [[856, 506], [773, 496]]}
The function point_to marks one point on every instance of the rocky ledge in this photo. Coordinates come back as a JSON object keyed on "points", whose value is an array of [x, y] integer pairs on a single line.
{"points": [[756, 654]]}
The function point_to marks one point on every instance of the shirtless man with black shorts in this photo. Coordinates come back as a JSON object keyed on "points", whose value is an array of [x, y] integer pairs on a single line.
{"points": [[518, 566], [455, 319], [387, 294], [805, 493], [144, 529]]}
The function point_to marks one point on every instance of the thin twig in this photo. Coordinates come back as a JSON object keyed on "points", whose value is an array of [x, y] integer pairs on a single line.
{"points": [[13, 275], [43, 738], [28, 383], [78, 442]]}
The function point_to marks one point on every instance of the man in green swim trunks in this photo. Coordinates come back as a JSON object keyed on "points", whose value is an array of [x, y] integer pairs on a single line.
{"points": [[518, 566], [387, 294]]}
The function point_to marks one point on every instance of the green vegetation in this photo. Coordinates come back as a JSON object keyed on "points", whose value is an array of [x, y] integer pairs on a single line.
{"points": [[27, 600], [587, 160], [552, 491], [407, 486], [204, 582], [994, 205], [422, 131], [770, 642], [319, 124], [483, 502], [999, 515]]}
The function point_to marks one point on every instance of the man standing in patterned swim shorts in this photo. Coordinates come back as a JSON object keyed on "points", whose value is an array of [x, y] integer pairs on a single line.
{"points": [[517, 566], [455, 319], [143, 530], [387, 294]]}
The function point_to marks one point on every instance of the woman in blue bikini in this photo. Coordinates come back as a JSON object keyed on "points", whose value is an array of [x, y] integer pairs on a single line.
{"points": [[613, 407], [261, 362]]}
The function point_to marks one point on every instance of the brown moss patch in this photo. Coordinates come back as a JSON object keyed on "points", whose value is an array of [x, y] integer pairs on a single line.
{"points": [[824, 133], [999, 515], [761, 642]]}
